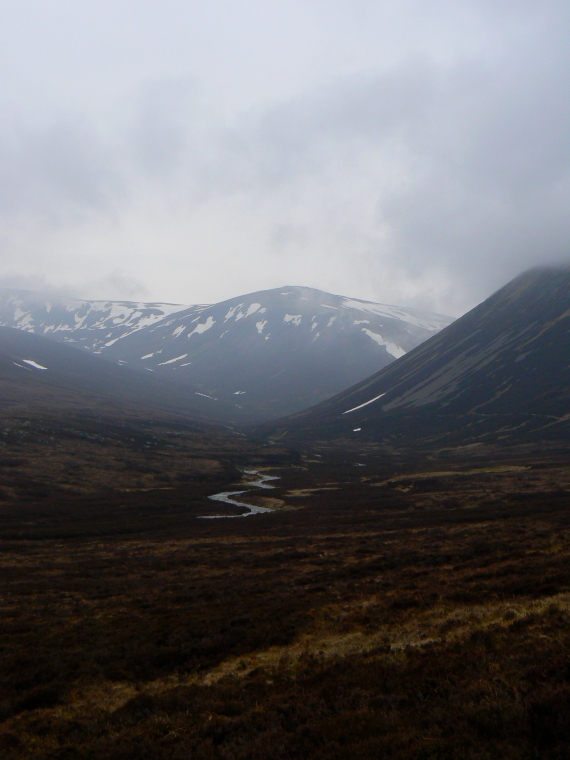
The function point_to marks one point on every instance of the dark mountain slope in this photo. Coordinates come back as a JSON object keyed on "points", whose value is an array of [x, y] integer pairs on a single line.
{"points": [[33, 367], [502, 371]]}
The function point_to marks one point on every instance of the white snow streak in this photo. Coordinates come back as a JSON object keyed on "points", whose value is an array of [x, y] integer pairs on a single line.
{"points": [[32, 363], [170, 361], [354, 408]]}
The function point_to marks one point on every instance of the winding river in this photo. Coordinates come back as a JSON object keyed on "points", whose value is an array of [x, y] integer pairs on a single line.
{"points": [[226, 497]]}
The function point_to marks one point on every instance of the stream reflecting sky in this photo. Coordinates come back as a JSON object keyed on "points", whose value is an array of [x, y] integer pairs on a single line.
{"points": [[188, 151]]}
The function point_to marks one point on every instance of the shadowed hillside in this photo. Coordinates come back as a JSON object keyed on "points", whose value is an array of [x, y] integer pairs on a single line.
{"points": [[499, 373]]}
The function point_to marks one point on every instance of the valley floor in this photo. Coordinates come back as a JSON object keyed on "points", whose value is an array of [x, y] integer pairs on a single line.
{"points": [[421, 613]]}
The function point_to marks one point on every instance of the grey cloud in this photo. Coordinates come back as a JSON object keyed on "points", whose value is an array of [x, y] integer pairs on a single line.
{"points": [[437, 177], [493, 198], [115, 285], [57, 173], [485, 148], [160, 130], [37, 283]]}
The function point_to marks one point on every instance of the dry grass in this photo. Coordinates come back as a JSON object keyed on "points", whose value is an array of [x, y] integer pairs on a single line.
{"points": [[429, 624]]}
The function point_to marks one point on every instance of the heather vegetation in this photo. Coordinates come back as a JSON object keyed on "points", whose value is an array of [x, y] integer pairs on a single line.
{"points": [[417, 613]]}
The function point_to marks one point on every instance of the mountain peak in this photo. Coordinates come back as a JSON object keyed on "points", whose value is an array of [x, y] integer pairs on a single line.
{"points": [[267, 353]]}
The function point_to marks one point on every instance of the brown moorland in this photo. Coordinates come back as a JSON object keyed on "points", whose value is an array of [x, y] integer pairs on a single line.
{"points": [[387, 608]]}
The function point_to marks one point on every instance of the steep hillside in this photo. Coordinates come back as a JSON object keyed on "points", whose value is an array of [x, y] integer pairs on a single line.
{"points": [[500, 372]]}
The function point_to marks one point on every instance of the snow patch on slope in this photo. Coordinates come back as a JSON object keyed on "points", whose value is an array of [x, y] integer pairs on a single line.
{"points": [[32, 363], [171, 361], [203, 326], [354, 408], [252, 308], [390, 347]]}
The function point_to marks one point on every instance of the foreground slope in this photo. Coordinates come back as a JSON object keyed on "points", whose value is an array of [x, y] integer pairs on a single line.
{"points": [[500, 372], [419, 620]]}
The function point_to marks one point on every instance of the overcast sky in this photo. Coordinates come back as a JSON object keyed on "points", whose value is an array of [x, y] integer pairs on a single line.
{"points": [[190, 150]]}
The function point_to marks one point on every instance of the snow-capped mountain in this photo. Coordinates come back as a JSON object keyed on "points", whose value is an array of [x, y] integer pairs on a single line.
{"points": [[500, 373], [268, 354], [89, 324], [276, 351]]}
